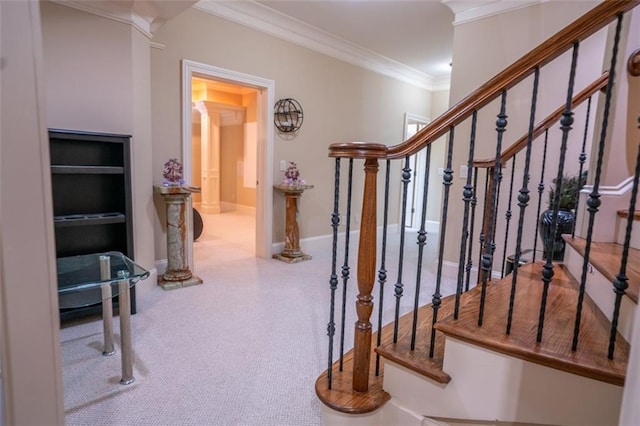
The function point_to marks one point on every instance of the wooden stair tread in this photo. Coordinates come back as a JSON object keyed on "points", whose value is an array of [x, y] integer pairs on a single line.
{"points": [[590, 360], [625, 214], [341, 397], [605, 257], [418, 360]]}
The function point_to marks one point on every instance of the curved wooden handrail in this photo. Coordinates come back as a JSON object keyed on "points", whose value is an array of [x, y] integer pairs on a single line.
{"points": [[599, 84], [581, 28]]}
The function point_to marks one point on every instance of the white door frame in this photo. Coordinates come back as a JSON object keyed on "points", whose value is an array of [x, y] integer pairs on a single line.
{"points": [[266, 96]]}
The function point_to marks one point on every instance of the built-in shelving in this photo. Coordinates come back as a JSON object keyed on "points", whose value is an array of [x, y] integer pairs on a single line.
{"points": [[91, 189]]}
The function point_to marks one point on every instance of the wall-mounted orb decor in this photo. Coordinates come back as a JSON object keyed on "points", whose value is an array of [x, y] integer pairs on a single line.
{"points": [[287, 115]]}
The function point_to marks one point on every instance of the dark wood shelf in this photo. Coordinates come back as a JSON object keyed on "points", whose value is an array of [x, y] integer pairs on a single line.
{"points": [[88, 219], [87, 170], [91, 191]]}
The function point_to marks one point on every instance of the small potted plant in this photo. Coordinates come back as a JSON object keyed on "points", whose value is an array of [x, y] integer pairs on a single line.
{"points": [[567, 200]]}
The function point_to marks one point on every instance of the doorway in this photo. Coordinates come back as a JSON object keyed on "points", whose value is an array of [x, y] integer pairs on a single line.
{"points": [[261, 172]]}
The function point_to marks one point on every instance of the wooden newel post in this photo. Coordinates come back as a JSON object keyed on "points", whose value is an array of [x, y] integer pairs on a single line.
{"points": [[366, 278]]}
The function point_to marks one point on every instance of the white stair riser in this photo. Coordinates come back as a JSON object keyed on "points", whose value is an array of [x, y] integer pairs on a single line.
{"points": [[600, 289], [489, 386]]}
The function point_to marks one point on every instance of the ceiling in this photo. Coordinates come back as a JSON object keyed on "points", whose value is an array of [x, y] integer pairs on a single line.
{"points": [[409, 40]]}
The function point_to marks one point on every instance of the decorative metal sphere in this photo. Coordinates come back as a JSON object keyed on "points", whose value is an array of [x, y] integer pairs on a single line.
{"points": [[287, 115]]}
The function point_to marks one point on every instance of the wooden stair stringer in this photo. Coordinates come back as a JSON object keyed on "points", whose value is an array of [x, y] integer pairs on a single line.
{"points": [[554, 351]]}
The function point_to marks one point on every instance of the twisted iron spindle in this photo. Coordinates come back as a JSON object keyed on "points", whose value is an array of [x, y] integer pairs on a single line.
{"points": [[594, 197], [333, 281], [422, 240], [523, 197], [620, 284], [582, 158], [483, 227], [565, 126], [447, 178], [540, 191], [487, 257], [467, 197], [345, 266], [507, 217], [382, 272], [474, 202], [399, 287]]}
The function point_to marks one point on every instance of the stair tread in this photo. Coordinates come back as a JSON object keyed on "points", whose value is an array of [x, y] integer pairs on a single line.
{"points": [[625, 214], [341, 397], [590, 360], [418, 359], [605, 257]]}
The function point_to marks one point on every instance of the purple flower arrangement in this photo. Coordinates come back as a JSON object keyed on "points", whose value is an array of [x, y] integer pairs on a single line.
{"points": [[172, 173], [292, 175]]}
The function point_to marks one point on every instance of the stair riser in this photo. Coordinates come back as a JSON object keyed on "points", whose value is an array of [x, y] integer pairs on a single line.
{"points": [[600, 289], [621, 227], [489, 386]]}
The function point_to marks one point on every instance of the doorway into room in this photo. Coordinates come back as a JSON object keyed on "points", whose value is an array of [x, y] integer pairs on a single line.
{"points": [[227, 152]]}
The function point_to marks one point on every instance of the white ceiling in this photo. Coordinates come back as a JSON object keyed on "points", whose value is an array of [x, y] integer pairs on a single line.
{"points": [[418, 34], [409, 40]]}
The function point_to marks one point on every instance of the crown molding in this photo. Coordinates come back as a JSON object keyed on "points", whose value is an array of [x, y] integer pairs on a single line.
{"points": [[472, 10], [262, 18], [125, 15]]}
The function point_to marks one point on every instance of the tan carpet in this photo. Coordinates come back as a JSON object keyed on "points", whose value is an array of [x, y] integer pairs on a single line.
{"points": [[245, 348]]}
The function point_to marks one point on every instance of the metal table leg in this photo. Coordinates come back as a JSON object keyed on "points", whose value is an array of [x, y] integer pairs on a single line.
{"points": [[125, 329]]}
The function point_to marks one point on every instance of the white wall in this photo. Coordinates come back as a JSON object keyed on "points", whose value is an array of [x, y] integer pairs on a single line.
{"points": [[32, 379], [341, 103], [483, 48], [97, 80]]}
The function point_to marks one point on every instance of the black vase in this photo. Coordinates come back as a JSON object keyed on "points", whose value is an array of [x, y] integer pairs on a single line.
{"points": [[564, 226]]}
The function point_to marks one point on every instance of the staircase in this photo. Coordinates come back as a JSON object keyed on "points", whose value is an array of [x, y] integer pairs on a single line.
{"points": [[545, 343]]}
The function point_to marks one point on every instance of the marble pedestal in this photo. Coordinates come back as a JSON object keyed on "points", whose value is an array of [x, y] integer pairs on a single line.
{"points": [[292, 252], [178, 273]]}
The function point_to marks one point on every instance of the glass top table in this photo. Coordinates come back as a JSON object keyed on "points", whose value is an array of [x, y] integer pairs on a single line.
{"points": [[81, 278], [93, 278]]}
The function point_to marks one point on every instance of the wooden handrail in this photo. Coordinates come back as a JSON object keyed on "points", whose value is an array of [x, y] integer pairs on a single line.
{"points": [[580, 29], [520, 144]]}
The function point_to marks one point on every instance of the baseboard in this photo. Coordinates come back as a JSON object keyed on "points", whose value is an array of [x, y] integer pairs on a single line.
{"points": [[322, 243], [232, 207], [145, 286], [450, 270]]}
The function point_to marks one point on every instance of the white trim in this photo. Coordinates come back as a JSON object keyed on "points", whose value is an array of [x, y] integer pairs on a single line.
{"points": [[158, 46], [126, 17], [262, 18], [266, 98], [612, 191], [468, 11]]}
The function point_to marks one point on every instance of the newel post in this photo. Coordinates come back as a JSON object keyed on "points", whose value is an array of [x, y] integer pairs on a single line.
{"points": [[366, 278]]}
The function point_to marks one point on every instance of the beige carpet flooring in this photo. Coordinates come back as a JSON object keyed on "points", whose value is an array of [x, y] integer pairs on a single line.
{"points": [[244, 348]]}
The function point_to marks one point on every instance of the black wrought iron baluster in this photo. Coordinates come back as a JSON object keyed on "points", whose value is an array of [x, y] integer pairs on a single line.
{"points": [[474, 202], [507, 217], [467, 197], [333, 281], [523, 197], [594, 197], [399, 286], [487, 257], [345, 265], [620, 284], [447, 178], [582, 158], [382, 273], [422, 240], [565, 126], [496, 209], [540, 191], [482, 238]]}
